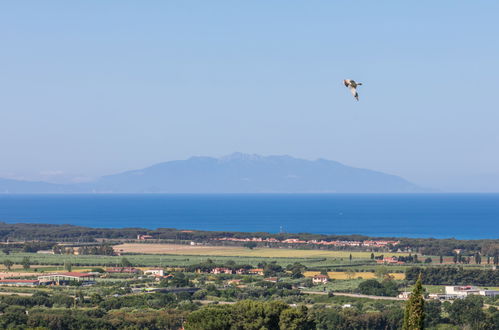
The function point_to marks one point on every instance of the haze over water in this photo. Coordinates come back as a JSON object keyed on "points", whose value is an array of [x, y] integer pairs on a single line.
{"points": [[463, 216]]}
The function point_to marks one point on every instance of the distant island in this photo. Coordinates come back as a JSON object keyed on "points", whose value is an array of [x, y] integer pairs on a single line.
{"points": [[235, 173]]}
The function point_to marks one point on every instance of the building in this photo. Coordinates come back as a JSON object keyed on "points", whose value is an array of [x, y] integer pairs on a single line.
{"points": [[13, 282], [221, 270], [256, 271], [404, 295], [144, 237], [489, 293], [452, 292], [320, 279], [271, 279], [129, 270], [66, 278], [154, 272], [391, 260], [461, 291]]}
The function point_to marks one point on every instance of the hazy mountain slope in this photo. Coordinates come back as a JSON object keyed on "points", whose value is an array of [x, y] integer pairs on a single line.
{"points": [[236, 173], [241, 173]]}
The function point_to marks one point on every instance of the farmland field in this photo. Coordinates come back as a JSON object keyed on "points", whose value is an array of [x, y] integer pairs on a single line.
{"points": [[236, 251]]}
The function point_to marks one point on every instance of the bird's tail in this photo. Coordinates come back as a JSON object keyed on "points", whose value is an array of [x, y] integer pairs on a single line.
{"points": [[359, 84]]}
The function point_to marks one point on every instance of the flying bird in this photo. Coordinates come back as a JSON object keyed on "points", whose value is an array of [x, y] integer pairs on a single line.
{"points": [[352, 86]]}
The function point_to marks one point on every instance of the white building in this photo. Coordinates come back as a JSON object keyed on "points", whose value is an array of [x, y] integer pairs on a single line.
{"points": [[320, 279], [154, 272], [464, 291]]}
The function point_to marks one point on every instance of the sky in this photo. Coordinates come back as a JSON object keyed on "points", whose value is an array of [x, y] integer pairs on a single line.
{"points": [[90, 88]]}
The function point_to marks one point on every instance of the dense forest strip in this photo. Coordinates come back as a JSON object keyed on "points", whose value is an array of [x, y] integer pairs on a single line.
{"points": [[70, 233]]}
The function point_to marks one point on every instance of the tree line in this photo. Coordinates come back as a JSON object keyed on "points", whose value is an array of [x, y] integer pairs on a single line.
{"points": [[453, 276], [70, 233]]}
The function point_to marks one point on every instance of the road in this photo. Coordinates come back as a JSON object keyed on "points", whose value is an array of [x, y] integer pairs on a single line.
{"points": [[354, 295]]}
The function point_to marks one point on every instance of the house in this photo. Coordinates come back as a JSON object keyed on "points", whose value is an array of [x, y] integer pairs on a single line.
{"points": [[13, 282], [65, 278], [392, 260], [129, 270], [221, 270], [144, 237], [404, 295], [154, 272], [271, 279], [320, 279], [256, 271]]}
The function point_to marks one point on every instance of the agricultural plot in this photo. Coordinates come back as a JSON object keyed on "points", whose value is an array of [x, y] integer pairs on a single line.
{"points": [[235, 251]]}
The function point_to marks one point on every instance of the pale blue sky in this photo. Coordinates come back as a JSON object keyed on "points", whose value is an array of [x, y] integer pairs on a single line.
{"points": [[97, 87]]}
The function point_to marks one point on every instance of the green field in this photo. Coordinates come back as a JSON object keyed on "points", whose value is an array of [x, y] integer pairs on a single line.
{"points": [[148, 260]]}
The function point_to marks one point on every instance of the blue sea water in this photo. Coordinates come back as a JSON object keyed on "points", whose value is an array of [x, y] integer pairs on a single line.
{"points": [[463, 216]]}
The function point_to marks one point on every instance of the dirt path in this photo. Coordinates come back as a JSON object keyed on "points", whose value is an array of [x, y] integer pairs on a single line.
{"points": [[355, 295]]}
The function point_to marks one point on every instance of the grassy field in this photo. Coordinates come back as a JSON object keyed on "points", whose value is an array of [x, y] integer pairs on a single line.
{"points": [[236, 251], [156, 260]]}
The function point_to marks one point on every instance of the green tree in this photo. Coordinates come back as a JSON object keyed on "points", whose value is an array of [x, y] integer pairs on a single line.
{"points": [[296, 269], [372, 256], [350, 257], [125, 262], [295, 319], [432, 311], [250, 245], [68, 266], [441, 259], [467, 311], [26, 263], [414, 308], [210, 318], [381, 272], [8, 264]]}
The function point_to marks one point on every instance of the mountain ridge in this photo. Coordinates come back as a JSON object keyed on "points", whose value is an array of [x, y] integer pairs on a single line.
{"points": [[233, 173]]}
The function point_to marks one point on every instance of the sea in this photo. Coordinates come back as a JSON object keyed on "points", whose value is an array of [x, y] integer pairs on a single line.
{"points": [[460, 216]]}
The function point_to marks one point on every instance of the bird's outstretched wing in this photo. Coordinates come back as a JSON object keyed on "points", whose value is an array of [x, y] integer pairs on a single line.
{"points": [[353, 90]]}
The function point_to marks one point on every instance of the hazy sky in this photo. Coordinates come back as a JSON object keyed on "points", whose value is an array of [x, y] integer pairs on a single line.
{"points": [[97, 87]]}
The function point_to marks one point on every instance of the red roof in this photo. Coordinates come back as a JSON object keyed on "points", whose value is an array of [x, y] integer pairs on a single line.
{"points": [[18, 281], [74, 274]]}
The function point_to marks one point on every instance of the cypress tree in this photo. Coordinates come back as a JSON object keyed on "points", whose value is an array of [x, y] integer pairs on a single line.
{"points": [[441, 259], [414, 308]]}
